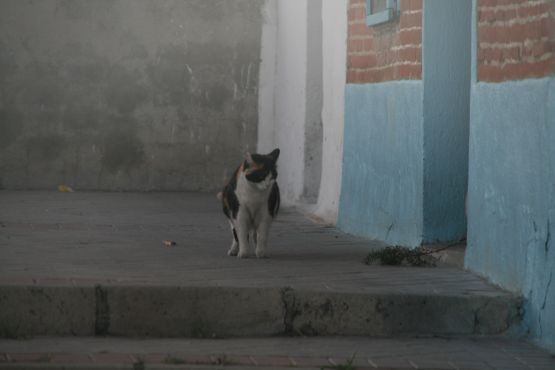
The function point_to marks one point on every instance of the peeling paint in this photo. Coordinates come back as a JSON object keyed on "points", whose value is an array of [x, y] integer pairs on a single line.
{"points": [[548, 236]]}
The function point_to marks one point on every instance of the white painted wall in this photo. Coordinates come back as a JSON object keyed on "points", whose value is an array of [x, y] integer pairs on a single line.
{"points": [[283, 98], [266, 80], [282, 120], [334, 19]]}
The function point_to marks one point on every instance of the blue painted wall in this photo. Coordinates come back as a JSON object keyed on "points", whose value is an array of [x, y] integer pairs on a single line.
{"points": [[511, 199], [381, 191]]}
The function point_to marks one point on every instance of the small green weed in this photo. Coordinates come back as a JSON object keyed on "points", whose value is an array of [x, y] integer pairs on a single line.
{"points": [[401, 256]]}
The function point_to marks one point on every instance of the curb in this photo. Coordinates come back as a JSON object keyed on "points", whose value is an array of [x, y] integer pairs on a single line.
{"points": [[218, 312]]}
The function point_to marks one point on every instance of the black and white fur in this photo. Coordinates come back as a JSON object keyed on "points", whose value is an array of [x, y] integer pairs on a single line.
{"points": [[250, 201]]}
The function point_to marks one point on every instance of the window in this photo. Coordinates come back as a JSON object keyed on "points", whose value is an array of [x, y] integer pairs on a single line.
{"points": [[380, 11]]}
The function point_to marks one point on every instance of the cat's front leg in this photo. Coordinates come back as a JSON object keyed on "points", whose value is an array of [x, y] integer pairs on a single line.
{"points": [[262, 232], [242, 229], [235, 244]]}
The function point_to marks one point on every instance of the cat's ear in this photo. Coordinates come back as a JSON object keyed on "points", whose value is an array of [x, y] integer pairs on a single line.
{"points": [[248, 158], [274, 154]]}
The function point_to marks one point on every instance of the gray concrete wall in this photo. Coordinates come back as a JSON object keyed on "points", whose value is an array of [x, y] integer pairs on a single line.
{"points": [[127, 94]]}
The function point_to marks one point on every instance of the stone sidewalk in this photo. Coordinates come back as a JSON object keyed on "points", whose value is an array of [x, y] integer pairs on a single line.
{"points": [[50, 238], [273, 353]]}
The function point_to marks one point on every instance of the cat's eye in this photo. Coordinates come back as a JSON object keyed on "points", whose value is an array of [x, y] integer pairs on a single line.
{"points": [[258, 175]]}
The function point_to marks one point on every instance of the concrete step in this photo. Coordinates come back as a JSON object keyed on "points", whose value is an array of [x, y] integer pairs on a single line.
{"points": [[272, 353], [224, 312], [92, 263]]}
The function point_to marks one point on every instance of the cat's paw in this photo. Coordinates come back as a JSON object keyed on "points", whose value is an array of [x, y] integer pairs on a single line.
{"points": [[233, 250], [243, 255], [261, 254]]}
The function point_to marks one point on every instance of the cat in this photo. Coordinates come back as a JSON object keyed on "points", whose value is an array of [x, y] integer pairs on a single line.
{"points": [[250, 201]]}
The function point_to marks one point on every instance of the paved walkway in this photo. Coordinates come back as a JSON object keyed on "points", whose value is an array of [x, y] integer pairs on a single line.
{"points": [[367, 353], [84, 239], [116, 238]]}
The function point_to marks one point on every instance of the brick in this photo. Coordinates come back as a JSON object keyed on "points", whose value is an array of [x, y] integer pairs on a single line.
{"points": [[516, 32], [410, 20], [531, 58], [386, 57], [356, 13], [410, 5], [388, 74], [509, 2], [412, 54], [515, 71], [489, 54], [486, 16], [356, 45], [536, 49], [499, 54], [533, 10], [364, 76], [511, 53], [358, 29], [409, 71], [362, 61], [359, 77], [351, 76], [368, 44], [410, 37]]}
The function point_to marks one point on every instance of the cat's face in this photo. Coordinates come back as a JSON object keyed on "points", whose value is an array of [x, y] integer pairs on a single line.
{"points": [[261, 169]]}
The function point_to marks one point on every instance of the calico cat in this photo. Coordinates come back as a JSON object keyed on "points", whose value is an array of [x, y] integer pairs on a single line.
{"points": [[250, 201]]}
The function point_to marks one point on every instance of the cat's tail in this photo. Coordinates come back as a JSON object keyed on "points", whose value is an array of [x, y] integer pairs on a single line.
{"points": [[219, 195]]}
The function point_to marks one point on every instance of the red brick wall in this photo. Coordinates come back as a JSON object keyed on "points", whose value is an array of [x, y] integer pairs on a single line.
{"points": [[516, 39], [391, 51]]}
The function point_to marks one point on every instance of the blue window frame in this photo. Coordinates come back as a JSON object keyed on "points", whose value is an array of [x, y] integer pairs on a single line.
{"points": [[380, 11]]}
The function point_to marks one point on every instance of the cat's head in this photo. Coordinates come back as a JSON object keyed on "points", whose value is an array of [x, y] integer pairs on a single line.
{"points": [[261, 169]]}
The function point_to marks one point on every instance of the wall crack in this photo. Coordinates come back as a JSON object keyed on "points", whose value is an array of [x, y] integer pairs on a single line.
{"points": [[548, 236], [290, 310], [102, 311]]}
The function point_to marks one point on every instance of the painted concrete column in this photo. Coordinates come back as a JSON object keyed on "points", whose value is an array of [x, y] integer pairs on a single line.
{"points": [[292, 121], [406, 124], [382, 174], [334, 19], [446, 76]]}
